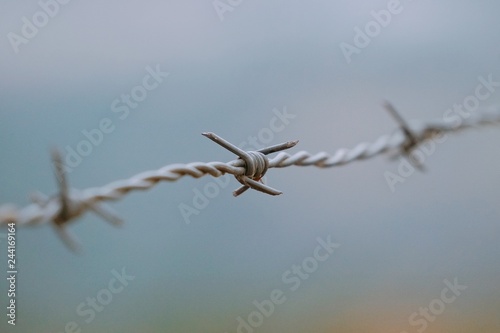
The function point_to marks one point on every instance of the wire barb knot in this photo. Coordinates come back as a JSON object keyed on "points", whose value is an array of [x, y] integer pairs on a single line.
{"points": [[255, 163], [69, 205], [412, 140]]}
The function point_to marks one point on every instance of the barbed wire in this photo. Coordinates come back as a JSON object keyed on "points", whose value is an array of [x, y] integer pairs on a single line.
{"points": [[248, 169]]}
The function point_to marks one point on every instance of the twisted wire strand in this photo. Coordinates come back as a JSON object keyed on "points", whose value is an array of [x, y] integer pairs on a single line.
{"points": [[83, 200]]}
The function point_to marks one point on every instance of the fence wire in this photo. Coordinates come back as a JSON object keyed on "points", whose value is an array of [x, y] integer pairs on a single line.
{"points": [[248, 169]]}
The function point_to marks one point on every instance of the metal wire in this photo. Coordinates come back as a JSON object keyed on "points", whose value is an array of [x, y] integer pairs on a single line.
{"points": [[69, 204]]}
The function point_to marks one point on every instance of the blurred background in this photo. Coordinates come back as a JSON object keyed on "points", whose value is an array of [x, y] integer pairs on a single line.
{"points": [[233, 67]]}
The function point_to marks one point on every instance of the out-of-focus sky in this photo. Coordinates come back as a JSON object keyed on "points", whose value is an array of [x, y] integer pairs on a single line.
{"points": [[230, 70]]}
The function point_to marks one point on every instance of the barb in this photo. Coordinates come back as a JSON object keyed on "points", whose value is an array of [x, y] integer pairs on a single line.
{"points": [[412, 141], [248, 169], [70, 207], [256, 164]]}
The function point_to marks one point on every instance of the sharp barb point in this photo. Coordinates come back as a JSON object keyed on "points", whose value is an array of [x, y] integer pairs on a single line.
{"points": [[68, 239]]}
